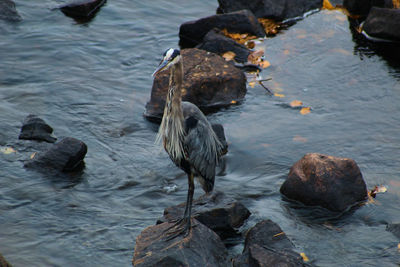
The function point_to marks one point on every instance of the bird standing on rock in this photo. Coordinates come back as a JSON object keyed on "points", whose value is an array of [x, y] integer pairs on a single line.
{"points": [[188, 137]]}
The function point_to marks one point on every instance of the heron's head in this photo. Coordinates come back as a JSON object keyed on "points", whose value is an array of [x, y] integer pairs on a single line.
{"points": [[171, 56]]}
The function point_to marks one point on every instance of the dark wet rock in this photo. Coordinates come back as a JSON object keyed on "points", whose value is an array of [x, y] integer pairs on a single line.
{"points": [[3, 262], [327, 181], [394, 228], [191, 33], [220, 132], [383, 23], [216, 42], [209, 82], [82, 10], [216, 211], [8, 12], [34, 128], [202, 247], [66, 155], [267, 245], [362, 7], [274, 9]]}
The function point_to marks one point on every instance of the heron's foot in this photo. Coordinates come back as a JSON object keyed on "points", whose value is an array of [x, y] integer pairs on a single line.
{"points": [[181, 227]]}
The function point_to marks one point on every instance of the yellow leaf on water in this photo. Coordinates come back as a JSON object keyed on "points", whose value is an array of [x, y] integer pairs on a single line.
{"points": [[298, 138], [252, 84], [279, 95], [33, 155], [398, 247], [377, 190], [327, 5], [305, 110], [296, 103], [304, 256], [8, 150], [278, 234], [229, 55], [264, 64], [233, 102]]}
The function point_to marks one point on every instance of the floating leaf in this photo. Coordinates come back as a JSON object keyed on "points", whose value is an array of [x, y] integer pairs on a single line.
{"points": [[298, 138], [264, 64], [305, 110], [229, 55], [398, 247], [233, 102], [377, 190], [286, 52], [304, 256], [33, 155], [279, 95], [252, 84], [8, 150], [327, 5], [296, 103]]}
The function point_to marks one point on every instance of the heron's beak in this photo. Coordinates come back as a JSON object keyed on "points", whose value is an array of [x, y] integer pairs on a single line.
{"points": [[163, 65]]}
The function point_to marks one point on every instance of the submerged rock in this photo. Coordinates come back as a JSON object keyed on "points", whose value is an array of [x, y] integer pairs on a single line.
{"points": [[202, 247], [8, 12], [209, 81], [327, 181], [394, 228], [3, 262], [34, 128], [216, 211], [191, 33], [216, 42], [267, 245], [362, 7], [82, 10], [66, 155], [274, 9], [383, 23]]}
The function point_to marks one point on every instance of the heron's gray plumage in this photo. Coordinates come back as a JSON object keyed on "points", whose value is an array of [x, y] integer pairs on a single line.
{"points": [[186, 134]]}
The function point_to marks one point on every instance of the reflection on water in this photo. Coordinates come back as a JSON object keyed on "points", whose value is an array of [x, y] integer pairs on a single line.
{"points": [[92, 82]]}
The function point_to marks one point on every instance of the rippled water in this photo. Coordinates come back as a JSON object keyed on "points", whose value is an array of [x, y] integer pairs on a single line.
{"points": [[91, 81]]}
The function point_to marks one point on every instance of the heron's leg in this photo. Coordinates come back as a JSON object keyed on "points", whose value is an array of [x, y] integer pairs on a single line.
{"points": [[183, 225]]}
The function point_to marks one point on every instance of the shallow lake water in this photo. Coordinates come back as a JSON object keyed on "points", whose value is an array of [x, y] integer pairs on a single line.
{"points": [[91, 81]]}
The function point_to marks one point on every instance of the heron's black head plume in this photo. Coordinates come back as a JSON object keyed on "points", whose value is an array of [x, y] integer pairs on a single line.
{"points": [[170, 57]]}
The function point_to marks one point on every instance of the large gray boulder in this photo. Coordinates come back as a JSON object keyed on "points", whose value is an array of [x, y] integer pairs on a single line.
{"points": [[383, 23]]}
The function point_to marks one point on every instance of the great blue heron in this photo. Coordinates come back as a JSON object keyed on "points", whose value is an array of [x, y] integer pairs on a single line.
{"points": [[187, 136]]}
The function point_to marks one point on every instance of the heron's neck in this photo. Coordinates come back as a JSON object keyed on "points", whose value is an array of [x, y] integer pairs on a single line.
{"points": [[171, 129]]}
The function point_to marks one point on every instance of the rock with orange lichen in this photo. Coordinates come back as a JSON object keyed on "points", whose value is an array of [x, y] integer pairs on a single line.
{"points": [[202, 247], [321, 180], [209, 82]]}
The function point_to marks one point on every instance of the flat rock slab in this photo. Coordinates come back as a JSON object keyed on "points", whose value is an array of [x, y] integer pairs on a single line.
{"points": [[274, 9], [66, 155], [267, 245], [383, 23], [209, 81], [326, 181], [202, 247], [191, 33], [216, 42], [216, 211], [34, 128], [8, 12]]}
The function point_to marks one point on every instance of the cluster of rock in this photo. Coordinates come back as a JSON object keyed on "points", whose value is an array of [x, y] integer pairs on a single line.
{"points": [[66, 155], [315, 180], [382, 18]]}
